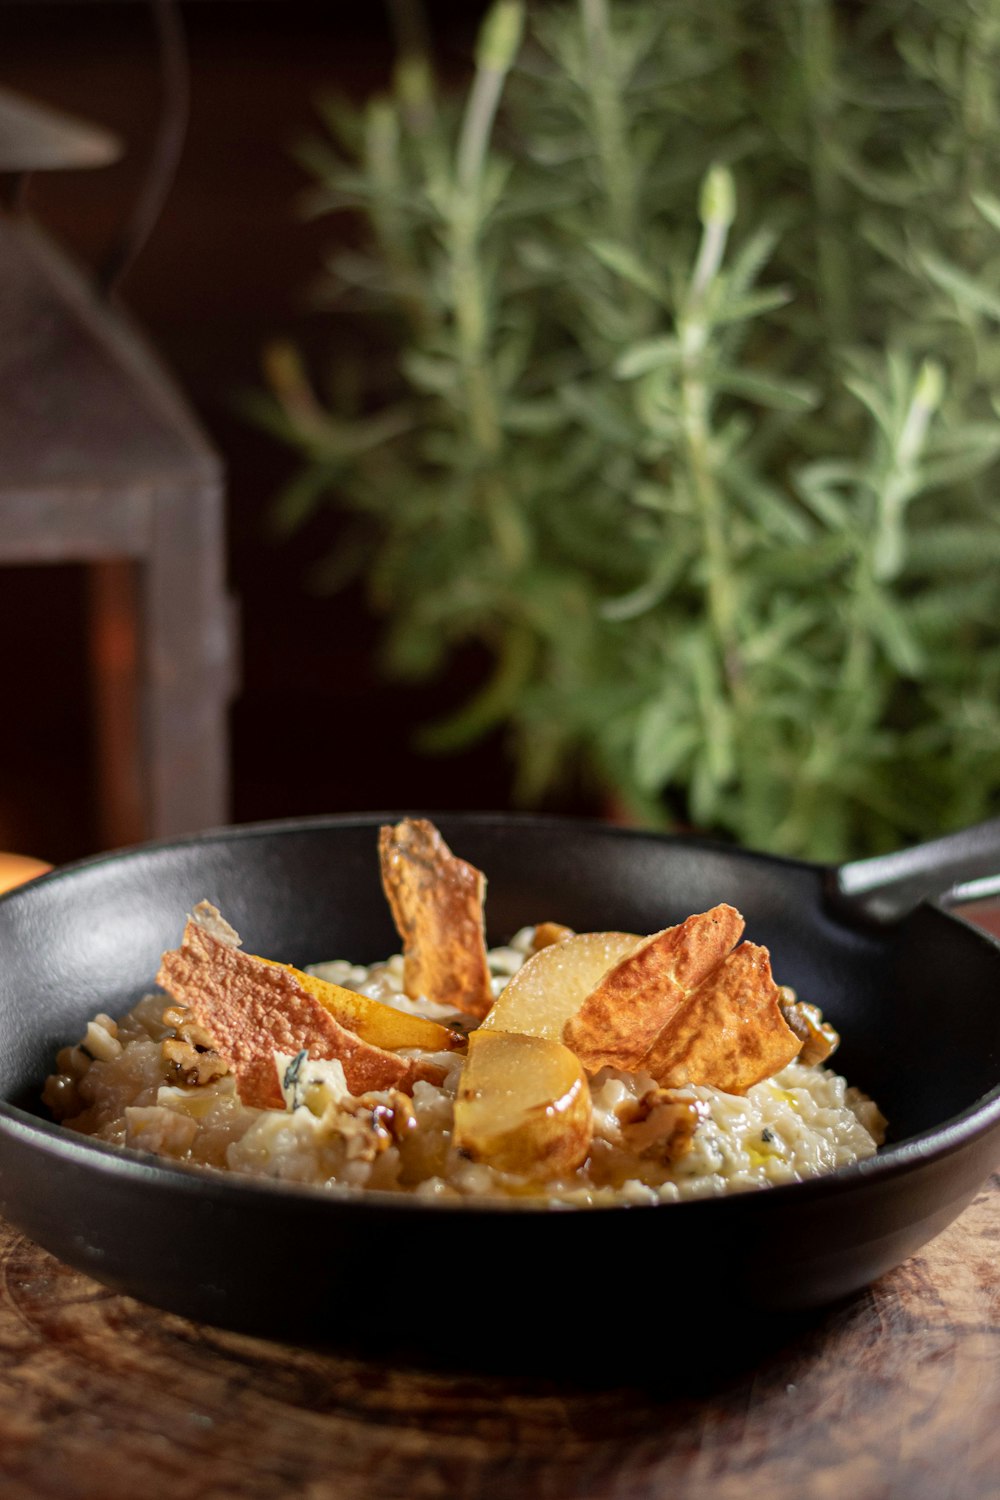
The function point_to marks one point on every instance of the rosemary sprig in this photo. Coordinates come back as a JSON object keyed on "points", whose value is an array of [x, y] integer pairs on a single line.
{"points": [[694, 417]]}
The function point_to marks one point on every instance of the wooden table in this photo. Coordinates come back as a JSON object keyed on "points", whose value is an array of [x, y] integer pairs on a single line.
{"points": [[892, 1396]]}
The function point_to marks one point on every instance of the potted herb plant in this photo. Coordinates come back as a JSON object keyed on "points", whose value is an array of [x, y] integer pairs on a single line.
{"points": [[687, 404]]}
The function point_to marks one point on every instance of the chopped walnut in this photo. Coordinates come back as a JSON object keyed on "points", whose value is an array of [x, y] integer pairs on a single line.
{"points": [[73, 1061], [190, 1052], [373, 1122], [187, 1028], [661, 1124], [819, 1039], [61, 1096], [547, 933], [192, 1066]]}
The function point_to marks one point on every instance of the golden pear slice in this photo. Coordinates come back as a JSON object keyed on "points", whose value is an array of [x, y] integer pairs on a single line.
{"points": [[381, 1025], [552, 985], [523, 1105]]}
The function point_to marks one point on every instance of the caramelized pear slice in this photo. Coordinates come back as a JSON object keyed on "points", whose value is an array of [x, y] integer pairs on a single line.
{"points": [[552, 985], [371, 1020], [523, 1105]]}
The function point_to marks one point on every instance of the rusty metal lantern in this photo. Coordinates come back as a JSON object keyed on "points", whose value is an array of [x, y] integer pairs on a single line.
{"points": [[102, 463]]}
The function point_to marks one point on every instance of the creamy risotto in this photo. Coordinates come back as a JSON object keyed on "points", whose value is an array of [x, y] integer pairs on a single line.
{"points": [[157, 1081]]}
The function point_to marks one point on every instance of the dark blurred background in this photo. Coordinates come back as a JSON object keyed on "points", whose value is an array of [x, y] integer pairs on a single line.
{"points": [[228, 267]]}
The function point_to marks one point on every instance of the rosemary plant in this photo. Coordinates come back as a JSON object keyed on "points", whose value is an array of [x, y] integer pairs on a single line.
{"points": [[688, 403]]}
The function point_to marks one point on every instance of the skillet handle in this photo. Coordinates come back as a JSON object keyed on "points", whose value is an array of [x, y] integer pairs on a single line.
{"points": [[954, 869]]}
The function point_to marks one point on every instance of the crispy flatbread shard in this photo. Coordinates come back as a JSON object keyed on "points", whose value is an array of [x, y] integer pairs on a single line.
{"points": [[620, 1019], [253, 1009], [731, 1034], [436, 901]]}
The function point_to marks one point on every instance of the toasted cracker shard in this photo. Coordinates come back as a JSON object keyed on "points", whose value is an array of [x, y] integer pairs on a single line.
{"points": [[731, 1034], [252, 1009], [436, 901], [621, 1018]]}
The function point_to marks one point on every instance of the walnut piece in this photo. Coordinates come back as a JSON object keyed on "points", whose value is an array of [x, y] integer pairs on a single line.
{"points": [[819, 1039], [661, 1125], [547, 933], [190, 1052], [373, 1122]]}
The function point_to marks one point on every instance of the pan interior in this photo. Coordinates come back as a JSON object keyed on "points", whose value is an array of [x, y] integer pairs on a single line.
{"points": [[917, 1007]]}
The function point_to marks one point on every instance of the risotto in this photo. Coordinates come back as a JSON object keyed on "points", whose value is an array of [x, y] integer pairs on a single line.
{"points": [[403, 1090]]}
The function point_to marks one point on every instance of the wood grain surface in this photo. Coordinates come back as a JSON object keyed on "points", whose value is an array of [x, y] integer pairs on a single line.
{"points": [[894, 1395]]}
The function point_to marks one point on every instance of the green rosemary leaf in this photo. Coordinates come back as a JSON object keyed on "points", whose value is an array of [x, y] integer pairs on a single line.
{"points": [[411, 653], [300, 498], [954, 547], [668, 568], [748, 260], [873, 398], [989, 207], [792, 622], [342, 119], [958, 436], [533, 417], [430, 373], [663, 744], [705, 793], [944, 610], [775, 512], [650, 354], [946, 472], [752, 305], [970, 294], [660, 498], [818, 484], [767, 390], [593, 405], [491, 705], [626, 264], [889, 627]]}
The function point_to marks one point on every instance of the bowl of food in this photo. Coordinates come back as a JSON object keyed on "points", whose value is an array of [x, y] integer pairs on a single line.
{"points": [[416, 1084]]}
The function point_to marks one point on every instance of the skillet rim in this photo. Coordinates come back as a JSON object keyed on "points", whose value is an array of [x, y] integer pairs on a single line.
{"points": [[147, 1169]]}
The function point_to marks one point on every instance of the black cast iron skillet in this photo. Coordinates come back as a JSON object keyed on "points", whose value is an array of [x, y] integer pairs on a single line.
{"points": [[915, 996]]}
